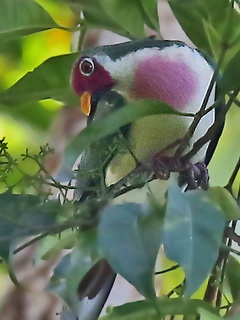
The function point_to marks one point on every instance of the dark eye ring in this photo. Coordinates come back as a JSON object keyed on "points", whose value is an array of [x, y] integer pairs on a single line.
{"points": [[86, 66]]}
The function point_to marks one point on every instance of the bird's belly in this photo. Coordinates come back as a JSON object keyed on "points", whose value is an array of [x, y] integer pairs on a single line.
{"points": [[147, 136]]}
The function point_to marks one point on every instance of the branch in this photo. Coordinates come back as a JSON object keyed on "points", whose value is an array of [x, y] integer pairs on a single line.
{"points": [[201, 111], [233, 177], [211, 131]]}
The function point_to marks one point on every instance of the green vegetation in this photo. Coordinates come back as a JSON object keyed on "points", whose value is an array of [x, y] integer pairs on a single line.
{"points": [[35, 66]]}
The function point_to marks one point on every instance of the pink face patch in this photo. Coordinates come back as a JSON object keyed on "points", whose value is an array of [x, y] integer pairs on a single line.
{"points": [[172, 82]]}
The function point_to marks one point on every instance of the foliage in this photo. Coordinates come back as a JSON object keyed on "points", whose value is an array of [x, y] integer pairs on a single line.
{"points": [[189, 225]]}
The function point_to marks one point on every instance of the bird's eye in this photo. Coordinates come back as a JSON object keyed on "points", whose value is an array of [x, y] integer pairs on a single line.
{"points": [[86, 66]]}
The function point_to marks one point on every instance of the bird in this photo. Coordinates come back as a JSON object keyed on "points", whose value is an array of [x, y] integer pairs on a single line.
{"points": [[168, 71]]}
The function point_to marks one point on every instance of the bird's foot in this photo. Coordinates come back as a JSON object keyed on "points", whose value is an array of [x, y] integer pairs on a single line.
{"points": [[192, 175]]}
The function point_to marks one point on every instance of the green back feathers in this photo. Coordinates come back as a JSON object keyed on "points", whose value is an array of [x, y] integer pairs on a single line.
{"points": [[119, 50]]}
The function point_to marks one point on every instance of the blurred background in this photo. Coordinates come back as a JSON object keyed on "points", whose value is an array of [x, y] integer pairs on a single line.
{"points": [[48, 121]]}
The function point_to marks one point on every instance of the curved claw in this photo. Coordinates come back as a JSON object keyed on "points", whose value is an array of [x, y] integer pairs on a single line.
{"points": [[194, 176]]}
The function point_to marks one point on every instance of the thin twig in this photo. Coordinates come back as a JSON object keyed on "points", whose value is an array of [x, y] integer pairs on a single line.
{"points": [[201, 112], [176, 266], [233, 177], [210, 132], [41, 167]]}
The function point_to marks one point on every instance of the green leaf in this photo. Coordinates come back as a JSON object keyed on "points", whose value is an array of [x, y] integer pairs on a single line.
{"points": [[233, 276], [41, 118], [127, 14], [203, 22], [96, 16], [52, 246], [22, 216], [142, 310], [150, 13], [49, 80], [213, 38], [206, 315], [193, 233], [112, 122], [222, 198], [130, 233], [21, 17], [230, 79], [190, 14]]}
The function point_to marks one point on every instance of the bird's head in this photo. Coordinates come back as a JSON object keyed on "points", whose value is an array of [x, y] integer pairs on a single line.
{"points": [[151, 69], [101, 69], [89, 78]]}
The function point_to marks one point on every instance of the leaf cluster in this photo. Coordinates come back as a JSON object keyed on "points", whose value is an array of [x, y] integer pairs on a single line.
{"points": [[190, 226]]}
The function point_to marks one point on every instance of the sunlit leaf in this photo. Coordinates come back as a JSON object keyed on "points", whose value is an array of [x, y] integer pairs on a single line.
{"points": [[221, 197], [128, 233], [52, 246], [22, 17], [49, 80], [233, 276], [192, 234], [142, 310]]}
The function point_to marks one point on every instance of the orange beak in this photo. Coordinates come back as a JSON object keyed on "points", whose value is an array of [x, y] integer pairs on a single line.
{"points": [[86, 103]]}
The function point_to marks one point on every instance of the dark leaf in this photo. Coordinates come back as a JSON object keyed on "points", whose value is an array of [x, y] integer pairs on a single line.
{"points": [[22, 216], [192, 234], [129, 237], [230, 79]]}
